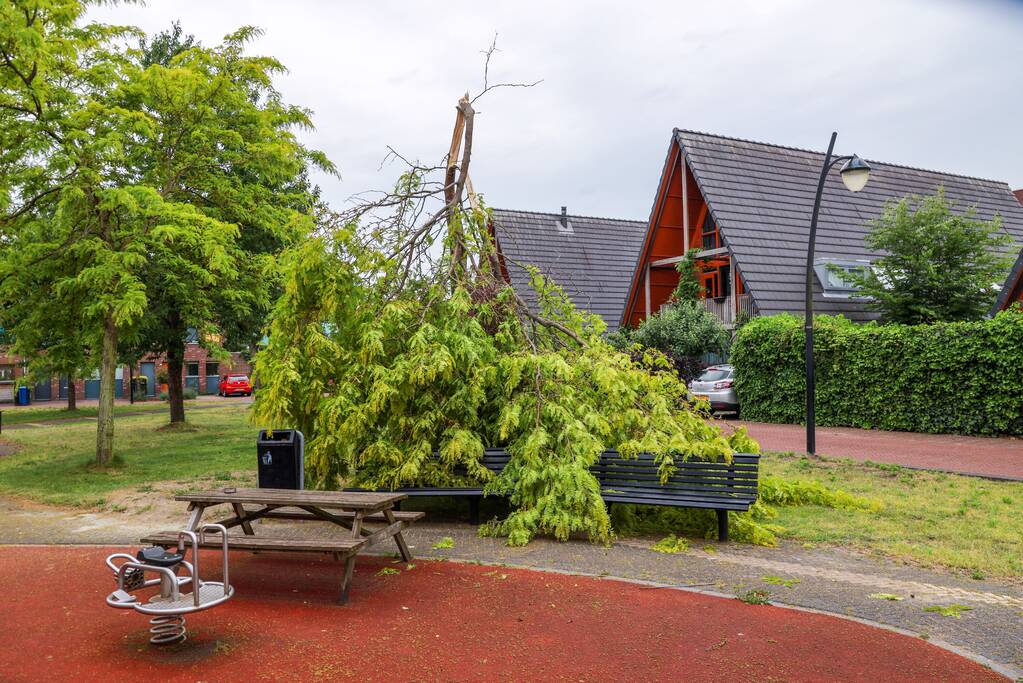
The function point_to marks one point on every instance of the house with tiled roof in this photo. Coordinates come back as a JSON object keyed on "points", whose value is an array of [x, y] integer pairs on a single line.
{"points": [[592, 259], [746, 207]]}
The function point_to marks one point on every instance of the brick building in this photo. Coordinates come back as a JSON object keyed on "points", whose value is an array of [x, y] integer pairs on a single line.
{"points": [[200, 372]]}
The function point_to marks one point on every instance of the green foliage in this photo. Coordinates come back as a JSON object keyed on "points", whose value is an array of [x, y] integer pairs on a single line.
{"points": [[942, 378], [671, 545], [756, 596], [935, 265], [778, 491], [682, 329], [779, 581], [189, 393], [689, 287], [445, 543], [380, 381], [954, 610], [892, 597]]}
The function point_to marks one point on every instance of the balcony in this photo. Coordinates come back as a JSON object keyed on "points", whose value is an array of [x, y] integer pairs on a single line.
{"points": [[726, 310]]}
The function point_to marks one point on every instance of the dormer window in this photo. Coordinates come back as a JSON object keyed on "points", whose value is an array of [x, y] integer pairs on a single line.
{"points": [[834, 275]]}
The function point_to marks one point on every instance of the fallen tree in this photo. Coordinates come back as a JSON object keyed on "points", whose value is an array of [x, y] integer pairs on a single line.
{"points": [[397, 337]]}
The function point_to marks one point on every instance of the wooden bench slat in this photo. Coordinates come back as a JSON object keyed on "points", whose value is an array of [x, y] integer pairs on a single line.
{"points": [[400, 516], [738, 505], [336, 545]]}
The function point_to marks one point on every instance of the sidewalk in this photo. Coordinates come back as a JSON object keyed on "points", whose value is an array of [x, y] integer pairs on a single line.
{"points": [[995, 457]]}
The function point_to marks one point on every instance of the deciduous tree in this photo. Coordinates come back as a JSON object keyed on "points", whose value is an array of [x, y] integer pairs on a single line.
{"points": [[936, 264]]}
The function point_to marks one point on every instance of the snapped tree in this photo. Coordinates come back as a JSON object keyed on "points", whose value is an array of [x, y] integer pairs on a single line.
{"points": [[936, 264], [397, 338]]}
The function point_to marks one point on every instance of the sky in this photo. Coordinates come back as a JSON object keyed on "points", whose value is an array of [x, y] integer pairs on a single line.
{"points": [[935, 84]]}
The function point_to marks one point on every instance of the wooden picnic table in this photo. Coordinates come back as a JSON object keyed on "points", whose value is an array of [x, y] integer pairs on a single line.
{"points": [[348, 509]]}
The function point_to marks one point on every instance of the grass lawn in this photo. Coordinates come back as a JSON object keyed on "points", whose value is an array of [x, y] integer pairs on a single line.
{"points": [[928, 517], [54, 464], [21, 415]]}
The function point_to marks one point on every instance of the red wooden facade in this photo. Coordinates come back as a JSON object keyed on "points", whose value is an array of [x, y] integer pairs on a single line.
{"points": [[679, 209]]}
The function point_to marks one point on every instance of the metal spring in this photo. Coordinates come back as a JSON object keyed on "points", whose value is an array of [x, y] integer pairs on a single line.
{"points": [[167, 630]]}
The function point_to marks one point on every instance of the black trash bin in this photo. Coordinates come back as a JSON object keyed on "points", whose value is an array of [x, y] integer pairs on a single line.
{"points": [[281, 459]]}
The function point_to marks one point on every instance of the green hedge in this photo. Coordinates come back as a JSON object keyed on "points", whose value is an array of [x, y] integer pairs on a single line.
{"points": [[961, 378]]}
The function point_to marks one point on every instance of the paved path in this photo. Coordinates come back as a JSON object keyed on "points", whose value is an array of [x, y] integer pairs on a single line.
{"points": [[997, 457], [833, 580]]}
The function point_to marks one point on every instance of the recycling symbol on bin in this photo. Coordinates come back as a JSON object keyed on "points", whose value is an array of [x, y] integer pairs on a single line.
{"points": [[267, 458]]}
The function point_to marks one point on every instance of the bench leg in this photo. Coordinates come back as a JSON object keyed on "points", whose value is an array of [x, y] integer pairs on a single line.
{"points": [[474, 510], [722, 525]]}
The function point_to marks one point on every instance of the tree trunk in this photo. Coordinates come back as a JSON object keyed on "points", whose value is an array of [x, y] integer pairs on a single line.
{"points": [[175, 390], [107, 376], [72, 399]]}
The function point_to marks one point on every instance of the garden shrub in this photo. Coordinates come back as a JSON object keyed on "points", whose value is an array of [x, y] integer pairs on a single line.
{"points": [[683, 331], [961, 377]]}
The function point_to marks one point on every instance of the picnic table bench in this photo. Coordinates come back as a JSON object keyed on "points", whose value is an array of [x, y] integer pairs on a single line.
{"points": [[350, 510], [717, 486]]}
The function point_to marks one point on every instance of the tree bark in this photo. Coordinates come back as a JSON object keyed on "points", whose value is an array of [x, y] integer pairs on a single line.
{"points": [[175, 389], [72, 399], [107, 376]]}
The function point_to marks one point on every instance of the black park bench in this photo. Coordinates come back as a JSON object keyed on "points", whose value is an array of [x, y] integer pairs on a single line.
{"points": [[715, 486]]}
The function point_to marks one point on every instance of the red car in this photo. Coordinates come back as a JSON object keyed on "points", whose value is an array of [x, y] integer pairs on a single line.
{"points": [[235, 385]]}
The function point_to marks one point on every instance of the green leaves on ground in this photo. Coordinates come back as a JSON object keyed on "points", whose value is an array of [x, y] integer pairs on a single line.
{"points": [[886, 596], [779, 581], [444, 543], [954, 610], [671, 545]]}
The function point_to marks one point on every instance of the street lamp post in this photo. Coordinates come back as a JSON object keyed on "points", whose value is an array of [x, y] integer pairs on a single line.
{"points": [[855, 173]]}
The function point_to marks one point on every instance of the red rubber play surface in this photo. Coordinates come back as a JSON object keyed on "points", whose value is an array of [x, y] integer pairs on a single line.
{"points": [[439, 621]]}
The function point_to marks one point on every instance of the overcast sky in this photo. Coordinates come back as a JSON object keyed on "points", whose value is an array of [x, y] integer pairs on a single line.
{"points": [[935, 84]]}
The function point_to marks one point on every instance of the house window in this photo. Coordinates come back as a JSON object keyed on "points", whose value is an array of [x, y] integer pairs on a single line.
{"points": [[7, 372], [710, 233], [192, 369], [212, 369], [833, 275]]}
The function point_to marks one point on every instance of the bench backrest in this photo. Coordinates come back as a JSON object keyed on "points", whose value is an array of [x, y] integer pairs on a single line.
{"points": [[735, 479]]}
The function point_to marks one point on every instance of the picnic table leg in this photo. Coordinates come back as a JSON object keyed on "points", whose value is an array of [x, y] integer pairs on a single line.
{"points": [[193, 520], [406, 555], [240, 512], [346, 582]]}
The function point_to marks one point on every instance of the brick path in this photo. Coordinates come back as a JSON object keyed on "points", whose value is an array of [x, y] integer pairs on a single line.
{"points": [[998, 457]]}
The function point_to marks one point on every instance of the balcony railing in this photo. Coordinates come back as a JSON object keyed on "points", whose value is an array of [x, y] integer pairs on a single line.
{"points": [[726, 310]]}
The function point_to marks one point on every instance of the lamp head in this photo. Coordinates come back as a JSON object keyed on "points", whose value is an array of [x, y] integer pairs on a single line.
{"points": [[855, 174]]}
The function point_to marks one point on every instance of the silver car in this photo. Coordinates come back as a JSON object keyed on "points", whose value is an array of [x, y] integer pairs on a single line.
{"points": [[717, 386]]}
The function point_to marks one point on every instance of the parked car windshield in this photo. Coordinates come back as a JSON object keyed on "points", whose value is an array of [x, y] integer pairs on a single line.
{"points": [[715, 374], [238, 378]]}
